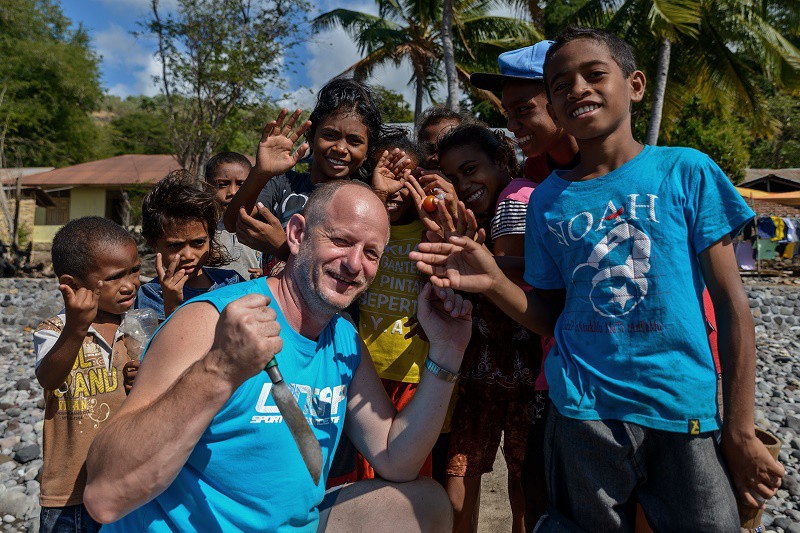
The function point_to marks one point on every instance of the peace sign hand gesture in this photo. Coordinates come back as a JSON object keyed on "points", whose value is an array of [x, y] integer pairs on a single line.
{"points": [[274, 154]]}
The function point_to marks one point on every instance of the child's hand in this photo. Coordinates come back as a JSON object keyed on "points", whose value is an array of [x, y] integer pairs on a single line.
{"points": [[172, 281], [460, 264], [755, 474], [465, 225], [390, 173], [267, 236], [129, 371], [425, 186], [80, 306], [255, 273], [434, 181], [274, 153]]}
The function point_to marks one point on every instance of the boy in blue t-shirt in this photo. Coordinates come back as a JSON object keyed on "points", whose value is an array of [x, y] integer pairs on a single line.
{"points": [[619, 250]]}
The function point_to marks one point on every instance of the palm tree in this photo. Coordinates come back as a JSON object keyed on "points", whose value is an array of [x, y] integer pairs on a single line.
{"points": [[411, 29], [725, 47], [449, 55]]}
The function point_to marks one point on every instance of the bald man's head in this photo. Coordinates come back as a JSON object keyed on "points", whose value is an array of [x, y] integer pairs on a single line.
{"points": [[336, 245], [344, 195]]}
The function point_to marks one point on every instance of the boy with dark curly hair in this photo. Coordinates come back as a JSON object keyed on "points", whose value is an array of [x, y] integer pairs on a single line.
{"points": [[178, 222]]}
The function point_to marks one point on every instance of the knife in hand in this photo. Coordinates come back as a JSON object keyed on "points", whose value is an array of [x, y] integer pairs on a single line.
{"points": [[298, 425]]}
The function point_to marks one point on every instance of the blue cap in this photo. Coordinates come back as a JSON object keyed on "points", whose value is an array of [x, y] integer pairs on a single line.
{"points": [[525, 64]]}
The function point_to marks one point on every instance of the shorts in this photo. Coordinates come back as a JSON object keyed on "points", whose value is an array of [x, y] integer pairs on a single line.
{"points": [[598, 469], [478, 423], [400, 394]]}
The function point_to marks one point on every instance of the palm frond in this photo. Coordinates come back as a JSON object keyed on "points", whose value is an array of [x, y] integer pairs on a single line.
{"points": [[675, 17]]}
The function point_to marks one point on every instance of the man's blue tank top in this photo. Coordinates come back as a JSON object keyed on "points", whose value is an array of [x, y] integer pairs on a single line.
{"points": [[246, 473]]}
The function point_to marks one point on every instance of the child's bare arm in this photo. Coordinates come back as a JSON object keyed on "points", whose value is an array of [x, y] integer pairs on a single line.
{"points": [[463, 264], [756, 475], [268, 236], [81, 310], [274, 156]]}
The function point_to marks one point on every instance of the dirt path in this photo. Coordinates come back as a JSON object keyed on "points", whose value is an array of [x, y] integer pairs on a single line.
{"points": [[495, 513]]}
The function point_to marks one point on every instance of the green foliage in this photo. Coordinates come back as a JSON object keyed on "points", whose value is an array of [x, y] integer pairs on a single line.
{"points": [[135, 196], [721, 49], [51, 80], [557, 15], [410, 30], [242, 130], [722, 136], [483, 110], [783, 149], [141, 126], [219, 55], [393, 106]]}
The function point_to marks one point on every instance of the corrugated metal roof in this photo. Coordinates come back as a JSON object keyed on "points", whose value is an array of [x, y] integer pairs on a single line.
{"points": [[132, 169], [752, 174]]}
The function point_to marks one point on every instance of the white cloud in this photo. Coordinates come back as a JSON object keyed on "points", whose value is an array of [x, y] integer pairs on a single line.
{"points": [[145, 84], [121, 50], [302, 98], [333, 51]]}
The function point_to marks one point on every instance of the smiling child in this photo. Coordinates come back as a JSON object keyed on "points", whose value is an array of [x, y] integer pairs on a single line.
{"points": [[178, 221]]}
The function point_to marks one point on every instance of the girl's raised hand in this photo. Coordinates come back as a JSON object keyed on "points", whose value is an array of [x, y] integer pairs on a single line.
{"points": [[274, 155], [390, 173], [172, 280]]}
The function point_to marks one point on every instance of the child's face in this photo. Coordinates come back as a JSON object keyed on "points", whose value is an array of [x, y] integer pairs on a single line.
{"points": [[118, 268], [340, 145], [429, 138], [189, 241], [476, 176], [230, 176], [525, 103], [589, 95]]}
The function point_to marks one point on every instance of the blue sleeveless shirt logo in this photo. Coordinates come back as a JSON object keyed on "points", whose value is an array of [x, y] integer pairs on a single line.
{"points": [[246, 473]]}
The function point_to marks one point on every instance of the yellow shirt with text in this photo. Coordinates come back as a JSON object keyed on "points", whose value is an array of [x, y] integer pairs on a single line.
{"points": [[388, 304]]}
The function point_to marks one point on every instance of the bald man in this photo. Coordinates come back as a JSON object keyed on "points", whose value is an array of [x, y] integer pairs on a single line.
{"points": [[197, 445]]}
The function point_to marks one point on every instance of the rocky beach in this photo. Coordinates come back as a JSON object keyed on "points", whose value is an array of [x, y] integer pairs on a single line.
{"points": [[24, 303]]}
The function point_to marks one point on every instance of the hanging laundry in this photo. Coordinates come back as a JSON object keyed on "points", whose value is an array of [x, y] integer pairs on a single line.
{"points": [[766, 228], [744, 255], [765, 248], [788, 253], [791, 230], [780, 228]]}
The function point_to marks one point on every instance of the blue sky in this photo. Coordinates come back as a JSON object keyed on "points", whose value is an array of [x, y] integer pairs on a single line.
{"points": [[128, 63]]}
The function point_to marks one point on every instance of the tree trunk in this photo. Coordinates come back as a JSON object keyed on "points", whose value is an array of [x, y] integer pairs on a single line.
{"points": [[418, 99], [125, 210], [449, 55], [776, 153], [660, 88]]}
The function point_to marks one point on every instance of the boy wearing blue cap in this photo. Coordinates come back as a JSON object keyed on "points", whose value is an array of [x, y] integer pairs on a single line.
{"points": [[547, 147], [628, 239]]}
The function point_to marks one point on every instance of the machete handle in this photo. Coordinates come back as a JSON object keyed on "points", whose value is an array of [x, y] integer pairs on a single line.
{"points": [[272, 369]]}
